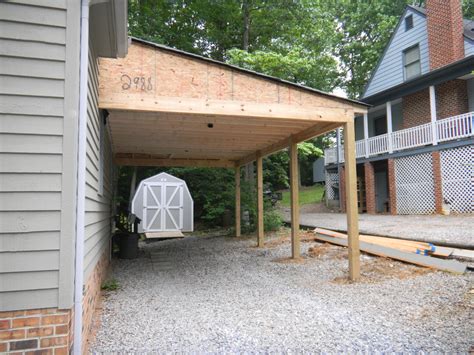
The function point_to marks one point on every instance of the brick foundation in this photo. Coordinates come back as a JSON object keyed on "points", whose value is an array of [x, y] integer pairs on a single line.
{"points": [[342, 188], [36, 331], [438, 187], [91, 299], [369, 187], [392, 191], [50, 330]]}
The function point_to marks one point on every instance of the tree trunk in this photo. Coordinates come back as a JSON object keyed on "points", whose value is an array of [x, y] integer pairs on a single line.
{"points": [[246, 15]]}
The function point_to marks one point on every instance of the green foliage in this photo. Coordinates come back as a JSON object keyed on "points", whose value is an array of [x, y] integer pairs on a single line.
{"points": [[110, 285], [272, 220], [307, 195]]}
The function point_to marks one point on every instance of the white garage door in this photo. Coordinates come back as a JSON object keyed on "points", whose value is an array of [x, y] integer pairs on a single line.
{"points": [[162, 206]]}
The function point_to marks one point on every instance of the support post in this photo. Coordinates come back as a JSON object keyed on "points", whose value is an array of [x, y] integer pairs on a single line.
{"points": [[351, 201], [389, 126], [433, 114], [366, 134], [260, 231], [237, 201], [295, 209]]}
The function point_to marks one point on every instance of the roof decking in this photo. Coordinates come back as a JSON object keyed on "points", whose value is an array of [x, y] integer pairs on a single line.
{"points": [[167, 107]]}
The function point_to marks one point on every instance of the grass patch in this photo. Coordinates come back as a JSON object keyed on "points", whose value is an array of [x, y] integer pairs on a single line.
{"points": [[310, 194], [110, 285]]}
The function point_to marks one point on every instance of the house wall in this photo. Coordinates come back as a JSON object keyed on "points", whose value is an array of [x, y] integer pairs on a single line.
{"points": [[451, 100], [359, 127], [39, 76], [470, 94], [98, 184], [389, 71]]}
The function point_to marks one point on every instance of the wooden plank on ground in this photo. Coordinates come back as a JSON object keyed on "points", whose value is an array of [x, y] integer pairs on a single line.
{"points": [[405, 245], [422, 260], [159, 235]]}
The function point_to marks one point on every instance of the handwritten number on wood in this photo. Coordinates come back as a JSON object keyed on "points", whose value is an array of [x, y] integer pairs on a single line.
{"points": [[139, 82]]}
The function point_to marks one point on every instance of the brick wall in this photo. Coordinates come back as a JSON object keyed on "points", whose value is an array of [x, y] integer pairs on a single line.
{"points": [[438, 184], [369, 187], [91, 299], [392, 191], [451, 100], [445, 32], [37, 331], [416, 109]]}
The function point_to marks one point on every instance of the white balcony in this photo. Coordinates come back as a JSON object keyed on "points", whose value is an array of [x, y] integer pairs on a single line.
{"points": [[447, 129]]}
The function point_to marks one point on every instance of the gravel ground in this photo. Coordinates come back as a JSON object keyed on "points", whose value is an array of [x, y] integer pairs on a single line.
{"points": [[455, 230], [222, 295]]}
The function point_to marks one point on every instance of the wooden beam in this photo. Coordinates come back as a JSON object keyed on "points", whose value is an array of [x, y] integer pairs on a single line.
{"points": [[412, 258], [199, 163], [260, 230], [222, 108], [295, 209], [302, 136], [351, 201], [237, 202]]}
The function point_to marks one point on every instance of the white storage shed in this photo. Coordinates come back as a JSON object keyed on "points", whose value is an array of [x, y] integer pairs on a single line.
{"points": [[164, 204]]}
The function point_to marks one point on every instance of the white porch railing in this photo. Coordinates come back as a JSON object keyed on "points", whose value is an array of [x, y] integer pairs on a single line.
{"points": [[451, 128], [412, 137], [378, 144], [455, 127]]}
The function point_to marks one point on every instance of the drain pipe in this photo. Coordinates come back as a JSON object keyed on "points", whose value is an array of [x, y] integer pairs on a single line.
{"points": [[81, 178]]}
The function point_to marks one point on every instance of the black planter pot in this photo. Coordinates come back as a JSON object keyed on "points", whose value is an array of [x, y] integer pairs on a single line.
{"points": [[128, 246]]}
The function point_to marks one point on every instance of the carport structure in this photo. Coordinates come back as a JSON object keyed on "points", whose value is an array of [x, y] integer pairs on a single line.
{"points": [[171, 108]]}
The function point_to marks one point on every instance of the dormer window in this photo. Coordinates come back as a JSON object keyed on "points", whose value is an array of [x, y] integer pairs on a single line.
{"points": [[411, 62], [408, 22]]}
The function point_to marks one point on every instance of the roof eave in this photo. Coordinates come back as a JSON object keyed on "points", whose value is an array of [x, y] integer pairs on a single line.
{"points": [[435, 77]]}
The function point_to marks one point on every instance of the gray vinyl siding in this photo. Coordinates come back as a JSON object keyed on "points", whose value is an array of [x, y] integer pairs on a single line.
{"points": [[468, 47], [390, 71], [98, 205], [32, 134]]}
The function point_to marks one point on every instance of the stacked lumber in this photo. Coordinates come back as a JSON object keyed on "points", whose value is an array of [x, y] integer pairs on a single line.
{"points": [[418, 253], [401, 244]]}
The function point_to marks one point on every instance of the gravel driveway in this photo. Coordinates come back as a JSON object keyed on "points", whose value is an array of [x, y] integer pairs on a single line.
{"points": [[215, 295], [454, 230]]}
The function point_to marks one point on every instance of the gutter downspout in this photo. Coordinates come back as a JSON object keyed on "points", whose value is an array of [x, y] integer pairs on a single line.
{"points": [[81, 178]]}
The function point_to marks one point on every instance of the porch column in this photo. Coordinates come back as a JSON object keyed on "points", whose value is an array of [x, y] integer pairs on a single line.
{"points": [[351, 201], [260, 231], [389, 126], [366, 134], [433, 114], [295, 209], [237, 201]]}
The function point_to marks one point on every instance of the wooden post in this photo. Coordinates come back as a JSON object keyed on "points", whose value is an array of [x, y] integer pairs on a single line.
{"points": [[260, 231], [351, 201], [366, 134], [237, 201], [433, 114], [389, 126], [295, 208]]}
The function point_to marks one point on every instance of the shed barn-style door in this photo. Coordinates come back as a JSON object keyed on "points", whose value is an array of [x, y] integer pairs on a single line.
{"points": [[163, 206]]}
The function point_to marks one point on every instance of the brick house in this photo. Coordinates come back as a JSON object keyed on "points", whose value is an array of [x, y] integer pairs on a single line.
{"points": [[415, 147]]}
